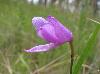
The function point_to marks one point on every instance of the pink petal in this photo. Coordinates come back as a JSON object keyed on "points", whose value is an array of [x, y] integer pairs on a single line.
{"points": [[41, 48], [63, 33], [47, 32], [38, 22]]}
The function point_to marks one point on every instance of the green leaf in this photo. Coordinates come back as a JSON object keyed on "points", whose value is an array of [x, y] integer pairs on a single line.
{"points": [[87, 51]]}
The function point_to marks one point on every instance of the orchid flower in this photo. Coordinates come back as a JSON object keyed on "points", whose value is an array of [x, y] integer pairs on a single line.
{"points": [[52, 31]]}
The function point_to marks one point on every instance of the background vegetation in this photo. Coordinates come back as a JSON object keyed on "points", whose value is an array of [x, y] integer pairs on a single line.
{"points": [[17, 34]]}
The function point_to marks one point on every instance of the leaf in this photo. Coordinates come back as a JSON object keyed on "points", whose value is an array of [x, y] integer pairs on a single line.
{"points": [[87, 51]]}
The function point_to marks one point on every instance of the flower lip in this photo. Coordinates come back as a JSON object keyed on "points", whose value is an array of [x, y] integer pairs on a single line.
{"points": [[38, 22]]}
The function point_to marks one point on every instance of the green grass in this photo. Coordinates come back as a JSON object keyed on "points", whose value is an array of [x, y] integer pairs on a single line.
{"points": [[87, 51], [17, 34]]}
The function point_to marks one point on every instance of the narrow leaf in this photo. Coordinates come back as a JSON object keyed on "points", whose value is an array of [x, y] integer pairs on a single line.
{"points": [[87, 51]]}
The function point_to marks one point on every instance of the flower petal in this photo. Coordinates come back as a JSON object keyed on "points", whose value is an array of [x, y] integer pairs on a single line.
{"points": [[61, 32], [42, 48], [38, 22], [47, 32]]}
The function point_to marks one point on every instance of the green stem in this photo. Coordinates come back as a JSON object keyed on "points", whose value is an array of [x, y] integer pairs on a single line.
{"points": [[72, 56]]}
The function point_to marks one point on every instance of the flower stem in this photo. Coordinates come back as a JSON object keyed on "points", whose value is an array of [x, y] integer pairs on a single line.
{"points": [[72, 56]]}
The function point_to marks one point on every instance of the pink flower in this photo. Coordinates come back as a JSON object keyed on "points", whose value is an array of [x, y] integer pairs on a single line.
{"points": [[52, 31]]}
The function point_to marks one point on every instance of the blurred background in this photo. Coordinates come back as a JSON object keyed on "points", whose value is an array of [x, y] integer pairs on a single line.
{"points": [[17, 34]]}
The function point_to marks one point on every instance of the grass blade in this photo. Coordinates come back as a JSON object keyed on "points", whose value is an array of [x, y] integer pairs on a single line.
{"points": [[87, 51]]}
